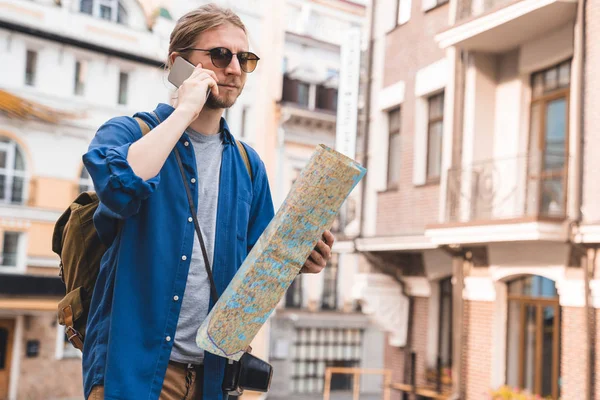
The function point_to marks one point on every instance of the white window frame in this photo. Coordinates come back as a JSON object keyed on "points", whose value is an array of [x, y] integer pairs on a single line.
{"points": [[430, 80], [64, 349], [34, 67], [21, 264], [127, 89], [11, 148], [112, 4], [83, 72]]}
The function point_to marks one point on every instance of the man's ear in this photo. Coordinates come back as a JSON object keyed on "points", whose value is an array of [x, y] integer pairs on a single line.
{"points": [[172, 57]]}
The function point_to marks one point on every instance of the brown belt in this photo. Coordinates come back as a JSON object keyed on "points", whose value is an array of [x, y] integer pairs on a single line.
{"points": [[186, 366]]}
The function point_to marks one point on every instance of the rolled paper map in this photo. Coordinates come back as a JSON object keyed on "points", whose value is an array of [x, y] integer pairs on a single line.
{"points": [[276, 259]]}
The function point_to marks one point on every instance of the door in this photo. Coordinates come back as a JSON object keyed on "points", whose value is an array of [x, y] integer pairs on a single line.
{"points": [[7, 333]]}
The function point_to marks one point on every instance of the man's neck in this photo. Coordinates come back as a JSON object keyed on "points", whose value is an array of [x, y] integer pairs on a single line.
{"points": [[208, 121]]}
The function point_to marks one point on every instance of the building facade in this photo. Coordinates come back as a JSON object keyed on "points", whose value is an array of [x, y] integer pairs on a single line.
{"points": [[319, 323], [480, 217]]}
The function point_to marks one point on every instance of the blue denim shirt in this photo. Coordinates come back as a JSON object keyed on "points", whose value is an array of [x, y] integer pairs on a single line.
{"points": [[142, 278]]}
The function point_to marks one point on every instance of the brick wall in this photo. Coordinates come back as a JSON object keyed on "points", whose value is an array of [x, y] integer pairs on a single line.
{"points": [[591, 184], [394, 356], [574, 353], [478, 318], [45, 377], [409, 48]]}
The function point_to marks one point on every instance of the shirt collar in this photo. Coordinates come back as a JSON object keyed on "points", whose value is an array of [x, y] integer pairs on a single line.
{"points": [[165, 110]]}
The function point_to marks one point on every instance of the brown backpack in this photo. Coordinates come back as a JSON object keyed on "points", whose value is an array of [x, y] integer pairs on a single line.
{"points": [[78, 245]]}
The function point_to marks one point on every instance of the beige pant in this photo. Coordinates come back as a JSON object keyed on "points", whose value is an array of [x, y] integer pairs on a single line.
{"points": [[179, 380]]}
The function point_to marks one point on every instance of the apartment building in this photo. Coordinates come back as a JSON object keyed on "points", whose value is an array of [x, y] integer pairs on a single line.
{"points": [[480, 215]]}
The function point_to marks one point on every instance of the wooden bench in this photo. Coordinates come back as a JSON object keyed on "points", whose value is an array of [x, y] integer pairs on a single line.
{"points": [[421, 391]]}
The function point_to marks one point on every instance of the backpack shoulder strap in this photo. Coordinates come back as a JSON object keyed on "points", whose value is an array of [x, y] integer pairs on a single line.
{"points": [[244, 154], [145, 129], [143, 125]]}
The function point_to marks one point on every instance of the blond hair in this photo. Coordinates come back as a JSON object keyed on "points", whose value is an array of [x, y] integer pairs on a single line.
{"points": [[195, 22]]}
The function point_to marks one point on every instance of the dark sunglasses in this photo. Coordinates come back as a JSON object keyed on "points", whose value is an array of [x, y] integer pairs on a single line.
{"points": [[221, 57]]}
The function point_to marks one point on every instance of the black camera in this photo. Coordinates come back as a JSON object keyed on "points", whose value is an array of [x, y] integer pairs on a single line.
{"points": [[249, 373]]}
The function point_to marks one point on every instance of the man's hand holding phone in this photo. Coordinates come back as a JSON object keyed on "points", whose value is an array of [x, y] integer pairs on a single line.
{"points": [[194, 91]]}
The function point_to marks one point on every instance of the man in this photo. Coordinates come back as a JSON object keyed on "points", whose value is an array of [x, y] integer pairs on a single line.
{"points": [[152, 291]]}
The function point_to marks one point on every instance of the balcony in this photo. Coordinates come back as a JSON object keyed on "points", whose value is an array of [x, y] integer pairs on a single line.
{"points": [[520, 198], [496, 26]]}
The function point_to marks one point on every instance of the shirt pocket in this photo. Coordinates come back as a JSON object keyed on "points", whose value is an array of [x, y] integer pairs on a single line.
{"points": [[243, 214]]}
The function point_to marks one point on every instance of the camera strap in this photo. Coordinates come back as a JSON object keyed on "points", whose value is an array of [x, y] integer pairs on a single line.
{"points": [[188, 191]]}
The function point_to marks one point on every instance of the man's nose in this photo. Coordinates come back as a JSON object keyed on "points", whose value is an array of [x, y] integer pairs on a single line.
{"points": [[234, 67]]}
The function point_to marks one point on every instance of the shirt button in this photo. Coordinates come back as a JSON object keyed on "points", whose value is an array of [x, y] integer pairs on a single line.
{"points": [[168, 338], [193, 180], [186, 144], [184, 258], [175, 298], [190, 219]]}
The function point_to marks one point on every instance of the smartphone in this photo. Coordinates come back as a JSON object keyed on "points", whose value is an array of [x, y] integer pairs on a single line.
{"points": [[180, 71]]}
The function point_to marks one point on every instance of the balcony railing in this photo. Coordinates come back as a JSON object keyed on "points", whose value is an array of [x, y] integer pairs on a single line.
{"points": [[520, 187], [474, 8]]}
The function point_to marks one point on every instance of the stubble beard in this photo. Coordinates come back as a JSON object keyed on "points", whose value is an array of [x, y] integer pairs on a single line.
{"points": [[216, 102]]}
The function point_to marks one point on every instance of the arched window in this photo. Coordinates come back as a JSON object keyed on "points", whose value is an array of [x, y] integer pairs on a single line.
{"points": [[13, 174], [533, 336], [85, 181], [111, 10]]}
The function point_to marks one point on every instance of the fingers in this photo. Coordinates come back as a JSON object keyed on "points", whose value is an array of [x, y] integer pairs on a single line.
{"points": [[323, 250], [310, 267], [329, 238], [212, 84], [199, 71], [317, 258]]}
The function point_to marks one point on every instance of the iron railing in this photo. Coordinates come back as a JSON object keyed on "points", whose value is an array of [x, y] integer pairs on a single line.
{"points": [[523, 186]]}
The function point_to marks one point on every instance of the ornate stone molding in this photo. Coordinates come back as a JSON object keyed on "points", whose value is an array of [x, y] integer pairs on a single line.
{"points": [[383, 301]]}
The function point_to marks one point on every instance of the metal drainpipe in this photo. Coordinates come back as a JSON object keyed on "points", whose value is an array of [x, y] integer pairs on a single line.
{"points": [[590, 328], [367, 126]]}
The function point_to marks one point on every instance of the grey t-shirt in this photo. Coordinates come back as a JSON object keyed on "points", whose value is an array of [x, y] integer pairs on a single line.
{"points": [[194, 307]]}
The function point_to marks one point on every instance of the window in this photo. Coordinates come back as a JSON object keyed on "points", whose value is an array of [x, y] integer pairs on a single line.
{"points": [[295, 91], [244, 116], [303, 92], [533, 336], [11, 246], [394, 149], [30, 67], [123, 84], [435, 129], [318, 348], [12, 173], [293, 296], [3, 348], [85, 181], [111, 10], [326, 98], [445, 325], [548, 139], [402, 14], [330, 281], [80, 77]]}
